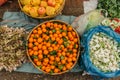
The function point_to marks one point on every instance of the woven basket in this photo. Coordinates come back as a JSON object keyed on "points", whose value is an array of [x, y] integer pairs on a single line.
{"points": [[57, 12], [56, 21]]}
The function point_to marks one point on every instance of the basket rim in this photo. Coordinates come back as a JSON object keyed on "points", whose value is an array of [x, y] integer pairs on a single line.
{"points": [[57, 12], [78, 53]]}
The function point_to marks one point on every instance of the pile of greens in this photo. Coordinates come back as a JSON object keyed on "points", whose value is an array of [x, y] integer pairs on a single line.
{"points": [[112, 6], [12, 47]]}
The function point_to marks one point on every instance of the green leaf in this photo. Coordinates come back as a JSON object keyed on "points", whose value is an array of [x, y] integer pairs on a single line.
{"points": [[65, 44], [53, 30], [35, 37], [56, 64], [70, 51], [64, 38], [114, 2], [60, 48], [60, 67], [39, 66], [54, 52], [47, 28], [62, 57], [75, 46], [61, 30], [45, 56], [55, 42], [51, 72], [47, 32], [65, 31], [50, 41], [34, 57], [34, 45]]}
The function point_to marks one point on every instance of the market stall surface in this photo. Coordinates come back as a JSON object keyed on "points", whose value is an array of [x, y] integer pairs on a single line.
{"points": [[69, 9]]}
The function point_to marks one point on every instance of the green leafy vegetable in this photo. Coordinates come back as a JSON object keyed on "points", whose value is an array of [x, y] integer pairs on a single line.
{"points": [[112, 6]]}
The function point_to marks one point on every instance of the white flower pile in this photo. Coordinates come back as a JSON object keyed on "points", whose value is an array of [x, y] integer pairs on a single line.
{"points": [[104, 52]]}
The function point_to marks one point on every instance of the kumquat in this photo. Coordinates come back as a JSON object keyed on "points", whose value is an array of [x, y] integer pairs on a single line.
{"points": [[53, 47]]}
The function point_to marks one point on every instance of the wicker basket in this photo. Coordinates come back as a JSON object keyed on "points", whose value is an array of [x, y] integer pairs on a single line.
{"points": [[56, 21], [57, 12]]}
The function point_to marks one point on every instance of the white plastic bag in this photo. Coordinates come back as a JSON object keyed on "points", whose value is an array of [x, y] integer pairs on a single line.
{"points": [[88, 20], [90, 5]]}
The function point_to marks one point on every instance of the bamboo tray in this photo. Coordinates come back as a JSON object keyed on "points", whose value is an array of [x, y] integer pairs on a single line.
{"points": [[57, 12], [78, 53]]}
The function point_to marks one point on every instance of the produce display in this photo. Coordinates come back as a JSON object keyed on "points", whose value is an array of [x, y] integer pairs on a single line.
{"points": [[53, 47], [112, 6], [113, 23], [41, 8], [105, 52], [12, 47]]}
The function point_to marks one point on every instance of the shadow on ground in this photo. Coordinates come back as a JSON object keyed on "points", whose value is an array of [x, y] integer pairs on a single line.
{"points": [[28, 76]]}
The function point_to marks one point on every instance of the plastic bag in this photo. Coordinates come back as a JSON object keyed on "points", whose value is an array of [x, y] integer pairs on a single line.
{"points": [[88, 20], [90, 5], [85, 57]]}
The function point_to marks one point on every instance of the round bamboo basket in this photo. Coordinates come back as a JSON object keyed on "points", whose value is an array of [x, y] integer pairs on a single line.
{"points": [[57, 12], [78, 53]]}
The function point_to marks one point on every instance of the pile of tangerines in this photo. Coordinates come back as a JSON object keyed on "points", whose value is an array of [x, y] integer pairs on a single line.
{"points": [[53, 47]]}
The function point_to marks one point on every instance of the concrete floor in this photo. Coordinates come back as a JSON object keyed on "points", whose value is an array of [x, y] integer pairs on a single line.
{"points": [[28, 76]]}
